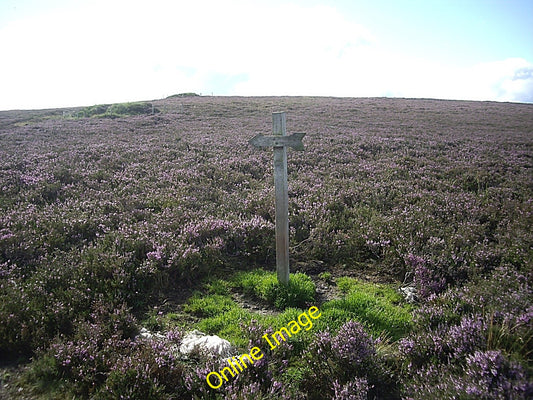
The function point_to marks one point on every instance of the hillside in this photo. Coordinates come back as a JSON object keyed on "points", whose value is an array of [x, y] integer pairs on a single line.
{"points": [[161, 215]]}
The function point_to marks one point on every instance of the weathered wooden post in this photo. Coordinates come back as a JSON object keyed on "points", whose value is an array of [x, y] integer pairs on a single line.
{"points": [[279, 141]]}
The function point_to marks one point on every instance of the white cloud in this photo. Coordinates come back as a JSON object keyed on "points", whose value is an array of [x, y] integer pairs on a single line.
{"points": [[106, 51], [503, 80], [506, 80]]}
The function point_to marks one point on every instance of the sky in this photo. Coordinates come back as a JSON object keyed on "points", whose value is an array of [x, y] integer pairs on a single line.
{"points": [[67, 53]]}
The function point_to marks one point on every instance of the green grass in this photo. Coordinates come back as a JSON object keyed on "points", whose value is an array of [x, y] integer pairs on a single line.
{"points": [[118, 110], [228, 325], [300, 291], [389, 293], [379, 307], [209, 306], [187, 94], [221, 315]]}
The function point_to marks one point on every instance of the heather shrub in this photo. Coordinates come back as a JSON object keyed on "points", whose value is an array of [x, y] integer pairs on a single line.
{"points": [[352, 345], [150, 370], [484, 375], [86, 358], [357, 389], [501, 302], [326, 229], [512, 333], [247, 390], [126, 273], [440, 310], [256, 237], [102, 361], [47, 300], [38, 307], [128, 381], [505, 290], [505, 299], [345, 364], [473, 341], [247, 238], [492, 375], [426, 279], [445, 343], [211, 243]]}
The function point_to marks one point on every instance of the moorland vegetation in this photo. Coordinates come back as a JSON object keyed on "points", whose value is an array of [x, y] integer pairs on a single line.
{"points": [[165, 220]]}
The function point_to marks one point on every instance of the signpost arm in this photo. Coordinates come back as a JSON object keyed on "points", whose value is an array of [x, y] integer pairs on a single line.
{"points": [[282, 200]]}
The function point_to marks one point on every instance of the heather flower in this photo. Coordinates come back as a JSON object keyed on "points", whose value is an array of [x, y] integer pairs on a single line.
{"points": [[155, 255], [491, 374], [466, 337], [352, 345], [321, 347], [426, 280], [356, 389], [236, 391], [526, 318], [445, 343], [174, 336], [486, 374]]}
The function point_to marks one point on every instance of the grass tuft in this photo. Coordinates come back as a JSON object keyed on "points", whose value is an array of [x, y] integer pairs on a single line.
{"points": [[379, 307], [264, 285]]}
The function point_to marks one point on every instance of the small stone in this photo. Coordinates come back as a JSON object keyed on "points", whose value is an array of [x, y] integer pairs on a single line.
{"points": [[146, 334], [207, 343], [410, 294]]}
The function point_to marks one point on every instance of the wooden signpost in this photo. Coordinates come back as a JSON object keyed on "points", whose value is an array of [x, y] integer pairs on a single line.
{"points": [[280, 141]]}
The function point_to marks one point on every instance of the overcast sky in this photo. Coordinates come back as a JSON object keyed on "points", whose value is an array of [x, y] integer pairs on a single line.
{"points": [[61, 53]]}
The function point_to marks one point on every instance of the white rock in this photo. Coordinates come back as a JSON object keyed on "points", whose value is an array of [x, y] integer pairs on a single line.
{"points": [[208, 343], [146, 334], [410, 294]]}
